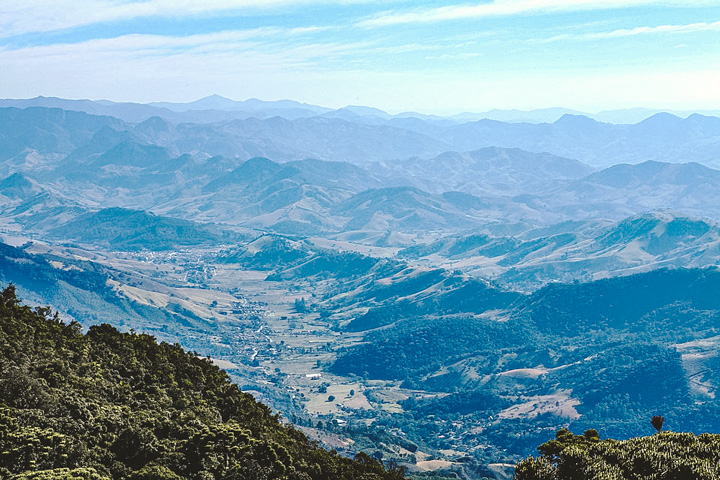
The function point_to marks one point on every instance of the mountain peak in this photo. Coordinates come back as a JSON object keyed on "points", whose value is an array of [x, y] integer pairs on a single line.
{"points": [[17, 185], [661, 119], [215, 96], [576, 120], [365, 111], [213, 102]]}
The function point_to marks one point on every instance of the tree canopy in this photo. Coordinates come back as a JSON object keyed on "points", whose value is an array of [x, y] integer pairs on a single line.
{"points": [[663, 456], [110, 405]]}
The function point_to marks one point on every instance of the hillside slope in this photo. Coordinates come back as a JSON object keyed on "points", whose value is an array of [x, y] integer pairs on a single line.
{"points": [[108, 405], [125, 229], [608, 354]]}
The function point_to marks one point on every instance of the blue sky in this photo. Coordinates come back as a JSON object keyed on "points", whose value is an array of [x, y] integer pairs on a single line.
{"points": [[433, 57]]}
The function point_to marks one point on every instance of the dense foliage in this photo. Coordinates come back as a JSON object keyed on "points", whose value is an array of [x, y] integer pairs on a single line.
{"points": [[663, 456], [394, 354], [117, 405]]}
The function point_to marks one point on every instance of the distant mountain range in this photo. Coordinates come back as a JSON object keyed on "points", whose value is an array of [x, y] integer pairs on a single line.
{"points": [[359, 138], [216, 108], [327, 175], [489, 171]]}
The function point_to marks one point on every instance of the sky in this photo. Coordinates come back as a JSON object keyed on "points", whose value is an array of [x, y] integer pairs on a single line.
{"points": [[426, 56]]}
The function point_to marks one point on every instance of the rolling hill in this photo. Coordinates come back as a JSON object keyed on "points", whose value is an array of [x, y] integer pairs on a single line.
{"points": [[130, 230], [612, 352], [491, 171], [579, 250]]}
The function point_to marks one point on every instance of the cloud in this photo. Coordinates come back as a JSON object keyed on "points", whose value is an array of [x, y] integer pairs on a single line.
{"points": [[262, 63], [238, 64], [260, 49], [630, 32], [511, 7], [27, 16]]}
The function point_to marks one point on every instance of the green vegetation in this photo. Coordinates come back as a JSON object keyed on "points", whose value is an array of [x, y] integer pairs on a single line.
{"points": [[394, 354], [453, 368], [83, 290], [609, 353], [110, 405], [664, 456], [132, 230]]}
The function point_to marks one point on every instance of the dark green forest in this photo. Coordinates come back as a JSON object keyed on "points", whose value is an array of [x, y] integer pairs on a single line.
{"points": [[616, 344], [111, 405]]}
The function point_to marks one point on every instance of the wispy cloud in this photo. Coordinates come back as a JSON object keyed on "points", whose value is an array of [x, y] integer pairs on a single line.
{"points": [[268, 49], [631, 32], [27, 16], [510, 7], [239, 64]]}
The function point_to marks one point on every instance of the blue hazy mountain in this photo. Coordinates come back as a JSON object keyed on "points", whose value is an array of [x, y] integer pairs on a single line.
{"points": [[193, 169], [206, 110], [280, 108], [217, 108], [628, 189], [18, 186], [662, 137], [292, 197], [198, 171], [129, 112], [400, 208], [544, 115], [490, 171], [363, 135], [47, 130]]}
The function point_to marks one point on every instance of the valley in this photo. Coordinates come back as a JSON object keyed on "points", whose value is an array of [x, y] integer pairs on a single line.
{"points": [[406, 287], [428, 368]]}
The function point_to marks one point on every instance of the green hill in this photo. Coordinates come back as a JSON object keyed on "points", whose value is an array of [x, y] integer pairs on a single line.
{"points": [[665, 456], [110, 405], [124, 229], [606, 354]]}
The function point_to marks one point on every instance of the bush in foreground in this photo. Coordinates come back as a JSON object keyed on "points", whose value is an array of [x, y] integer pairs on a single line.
{"points": [[663, 456]]}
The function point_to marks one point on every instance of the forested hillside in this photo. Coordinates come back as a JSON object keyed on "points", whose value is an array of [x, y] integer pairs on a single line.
{"points": [[111, 405], [610, 353]]}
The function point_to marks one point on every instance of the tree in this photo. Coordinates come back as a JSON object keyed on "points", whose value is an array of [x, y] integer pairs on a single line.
{"points": [[657, 422], [300, 306], [63, 474], [8, 298]]}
